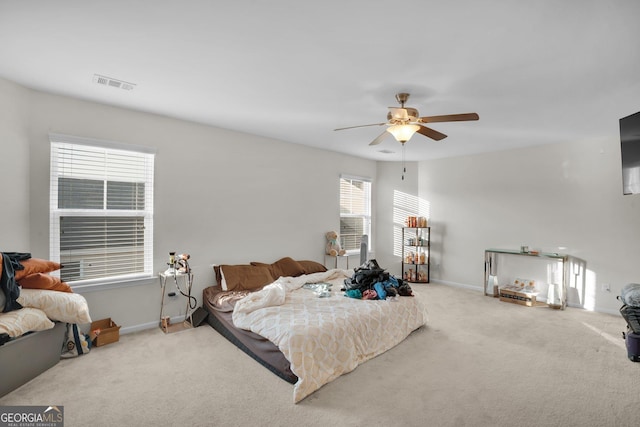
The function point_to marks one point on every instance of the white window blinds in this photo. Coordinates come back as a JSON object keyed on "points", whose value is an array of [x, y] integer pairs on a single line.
{"points": [[355, 211], [101, 210]]}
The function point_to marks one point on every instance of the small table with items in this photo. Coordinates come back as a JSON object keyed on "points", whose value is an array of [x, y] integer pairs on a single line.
{"points": [[557, 291], [184, 283]]}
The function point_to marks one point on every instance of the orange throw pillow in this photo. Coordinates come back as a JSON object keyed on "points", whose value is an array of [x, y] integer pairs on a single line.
{"points": [[44, 281], [36, 265]]}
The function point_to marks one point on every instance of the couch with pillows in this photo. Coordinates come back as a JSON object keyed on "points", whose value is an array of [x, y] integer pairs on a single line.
{"points": [[36, 306]]}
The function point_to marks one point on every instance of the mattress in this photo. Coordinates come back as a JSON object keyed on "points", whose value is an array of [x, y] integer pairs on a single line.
{"points": [[324, 334], [259, 348]]}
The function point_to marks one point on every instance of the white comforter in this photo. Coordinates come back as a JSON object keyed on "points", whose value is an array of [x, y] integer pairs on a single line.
{"points": [[324, 338]]}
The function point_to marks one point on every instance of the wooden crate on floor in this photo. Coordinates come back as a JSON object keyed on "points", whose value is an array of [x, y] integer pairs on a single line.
{"points": [[515, 297]]}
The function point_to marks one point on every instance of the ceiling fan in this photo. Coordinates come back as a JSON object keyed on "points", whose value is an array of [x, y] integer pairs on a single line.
{"points": [[404, 122]]}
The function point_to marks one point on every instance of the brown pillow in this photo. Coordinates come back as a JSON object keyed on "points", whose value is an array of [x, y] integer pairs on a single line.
{"points": [[311, 267], [287, 267], [246, 277], [284, 267], [36, 265], [274, 274], [260, 264], [216, 273], [44, 281]]}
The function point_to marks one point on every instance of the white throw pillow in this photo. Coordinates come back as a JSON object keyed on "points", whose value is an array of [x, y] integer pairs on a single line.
{"points": [[61, 306], [18, 322]]}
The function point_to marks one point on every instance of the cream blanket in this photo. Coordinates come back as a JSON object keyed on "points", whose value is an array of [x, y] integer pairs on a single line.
{"points": [[324, 338]]}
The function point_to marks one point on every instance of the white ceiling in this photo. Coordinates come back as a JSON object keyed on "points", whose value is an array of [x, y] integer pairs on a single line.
{"points": [[536, 72]]}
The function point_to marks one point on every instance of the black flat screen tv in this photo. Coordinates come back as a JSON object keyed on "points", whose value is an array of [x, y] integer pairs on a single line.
{"points": [[630, 149]]}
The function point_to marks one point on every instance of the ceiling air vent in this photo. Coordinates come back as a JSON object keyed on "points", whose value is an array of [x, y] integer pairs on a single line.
{"points": [[109, 81], [386, 151]]}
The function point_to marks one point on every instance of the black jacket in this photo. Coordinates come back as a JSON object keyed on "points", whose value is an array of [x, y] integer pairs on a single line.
{"points": [[8, 284]]}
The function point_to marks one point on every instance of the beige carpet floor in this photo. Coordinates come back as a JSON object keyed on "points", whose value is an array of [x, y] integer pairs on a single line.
{"points": [[479, 362]]}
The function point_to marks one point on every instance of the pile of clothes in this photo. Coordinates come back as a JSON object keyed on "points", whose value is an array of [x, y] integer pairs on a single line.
{"points": [[369, 281]]}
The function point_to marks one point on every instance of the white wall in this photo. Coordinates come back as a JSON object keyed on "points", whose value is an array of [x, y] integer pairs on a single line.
{"points": [[222, 196], [391, 210], [563, 197], [14, 168]]}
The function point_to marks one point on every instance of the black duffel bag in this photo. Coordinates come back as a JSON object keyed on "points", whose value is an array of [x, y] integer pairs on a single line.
{"points": [[632, 315]]}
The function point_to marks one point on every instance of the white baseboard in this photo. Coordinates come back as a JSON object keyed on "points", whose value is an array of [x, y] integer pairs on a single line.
{"points": [[458, 285], [137, 328], [149, 325]]}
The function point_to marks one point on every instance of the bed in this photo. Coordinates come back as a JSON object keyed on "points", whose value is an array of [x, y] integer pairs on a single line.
{"points": [[304, 336], [37, 308]]}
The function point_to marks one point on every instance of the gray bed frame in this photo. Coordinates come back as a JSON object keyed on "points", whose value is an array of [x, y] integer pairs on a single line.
{"points": [[30, 355]]}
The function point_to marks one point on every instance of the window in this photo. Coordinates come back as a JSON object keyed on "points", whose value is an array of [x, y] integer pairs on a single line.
{"points": [[355, 211], [101, 210]]}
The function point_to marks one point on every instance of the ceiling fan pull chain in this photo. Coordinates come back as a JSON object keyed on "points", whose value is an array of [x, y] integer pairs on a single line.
{"points": [[404, 167]]}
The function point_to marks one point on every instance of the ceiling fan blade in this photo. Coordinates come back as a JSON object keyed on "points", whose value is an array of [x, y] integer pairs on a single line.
{"points": [[379, 138], [361, 126], [433, 134], [450, 118]]}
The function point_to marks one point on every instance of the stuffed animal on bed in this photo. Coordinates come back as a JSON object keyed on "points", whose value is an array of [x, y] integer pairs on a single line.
{"points": [[333, 244]]}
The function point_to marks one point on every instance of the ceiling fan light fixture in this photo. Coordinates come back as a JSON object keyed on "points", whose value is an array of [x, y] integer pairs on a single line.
{"points": [[403, 133]]}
